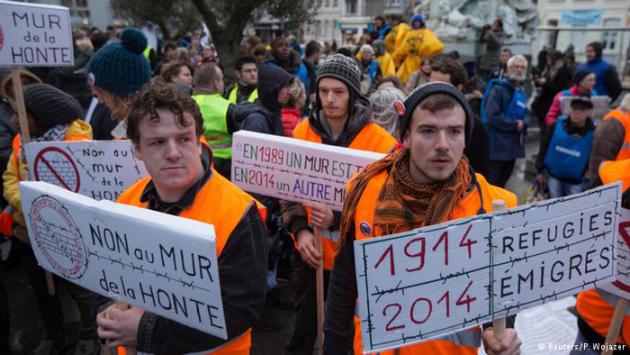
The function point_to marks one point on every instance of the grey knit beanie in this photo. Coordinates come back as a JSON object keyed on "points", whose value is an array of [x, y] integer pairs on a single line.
{"points": [[50, 106], [343, 68]]}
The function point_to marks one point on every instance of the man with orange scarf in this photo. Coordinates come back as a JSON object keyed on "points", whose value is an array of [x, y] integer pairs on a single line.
{"points": [[428, 181]]}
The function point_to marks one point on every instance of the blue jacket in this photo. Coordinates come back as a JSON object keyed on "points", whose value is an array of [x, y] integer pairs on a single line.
{"points": [[567, 154], [505, 104], [301, 72], [606, 79]]}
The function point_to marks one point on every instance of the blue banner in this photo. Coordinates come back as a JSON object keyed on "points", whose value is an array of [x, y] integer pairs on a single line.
{"points": [[581, 17]]}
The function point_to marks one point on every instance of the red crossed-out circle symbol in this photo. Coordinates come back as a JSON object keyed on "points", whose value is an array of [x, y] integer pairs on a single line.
{"points": [[55, 166], [626, 238]]}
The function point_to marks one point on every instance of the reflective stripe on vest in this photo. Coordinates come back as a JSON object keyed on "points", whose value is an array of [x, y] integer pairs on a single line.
{"points": [[222, 204], [233, 97], [214, 109], [624, 119], [618, 170], [567, 155], [371, 138], [465, 341]]}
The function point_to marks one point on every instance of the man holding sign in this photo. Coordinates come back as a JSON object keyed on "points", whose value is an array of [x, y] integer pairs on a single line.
{"points": [[341, 117], [425, 183], [165, 126]]}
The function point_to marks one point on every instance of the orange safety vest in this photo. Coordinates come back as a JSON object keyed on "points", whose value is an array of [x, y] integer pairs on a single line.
{"points": [[624, 119], [371, 138], [617, 170], [465, 341], [222, 204], [596, 311]]}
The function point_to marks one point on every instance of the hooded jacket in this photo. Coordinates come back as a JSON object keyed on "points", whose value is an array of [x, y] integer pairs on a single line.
{"points": [[606, 78], [359, 116], [264, 115]]}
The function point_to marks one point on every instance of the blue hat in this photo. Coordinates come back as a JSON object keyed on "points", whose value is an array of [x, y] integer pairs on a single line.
{"points": [[120, 67], [418, 18]]}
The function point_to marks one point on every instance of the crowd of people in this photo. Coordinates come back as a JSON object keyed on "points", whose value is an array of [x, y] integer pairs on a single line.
{"points": [[452, 133]]}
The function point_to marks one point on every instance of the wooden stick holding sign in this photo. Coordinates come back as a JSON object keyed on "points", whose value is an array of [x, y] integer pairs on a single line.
{"points": [[319, 277], [25, 135], [615, 326], [498, 325]]}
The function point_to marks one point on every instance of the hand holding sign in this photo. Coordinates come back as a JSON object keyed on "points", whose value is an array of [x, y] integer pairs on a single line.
{"points": [[509, 343], [321, 217], [119, 326], [307, 247]]}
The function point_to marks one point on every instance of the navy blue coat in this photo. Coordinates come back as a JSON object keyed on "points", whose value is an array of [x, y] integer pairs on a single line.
{"points": [[506, 142]]}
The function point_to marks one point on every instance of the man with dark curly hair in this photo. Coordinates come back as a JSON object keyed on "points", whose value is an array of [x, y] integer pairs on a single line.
{"points": [[165, 126]]}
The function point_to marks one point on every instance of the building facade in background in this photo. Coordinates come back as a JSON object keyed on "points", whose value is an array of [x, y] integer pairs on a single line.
{"points": [[578, 22], [344, 21], [96, 13]]}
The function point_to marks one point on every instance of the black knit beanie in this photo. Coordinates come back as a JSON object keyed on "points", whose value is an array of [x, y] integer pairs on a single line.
{"points": [[431, 88], [579, 76], [50, 106], [343, 68]]}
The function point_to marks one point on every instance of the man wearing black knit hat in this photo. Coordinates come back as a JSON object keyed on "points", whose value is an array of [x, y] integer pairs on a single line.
{"points": [[428, 181], [341, 117]]}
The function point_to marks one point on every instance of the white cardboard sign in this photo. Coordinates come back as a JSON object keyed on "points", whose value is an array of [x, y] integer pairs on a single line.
{"points": [[293, 169], [162, 263], [441, 279], [101, 170], [35, 35], [621, 286]]}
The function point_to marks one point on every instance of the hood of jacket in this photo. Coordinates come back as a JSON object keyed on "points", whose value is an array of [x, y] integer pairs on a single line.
{"points": [[243, 110], [359, 116], [79, 129], [271, 79]]}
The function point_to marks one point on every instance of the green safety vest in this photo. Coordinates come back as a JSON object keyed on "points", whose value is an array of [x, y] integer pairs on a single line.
{"points": [[147, 52], [214, 109], [233, 95]]}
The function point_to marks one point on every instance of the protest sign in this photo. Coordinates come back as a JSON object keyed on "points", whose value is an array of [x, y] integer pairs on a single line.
{"points": [[601, 106], [621, 286], [441, 279], [35, 35], [101, 170], [293, 169], [162, 263]]}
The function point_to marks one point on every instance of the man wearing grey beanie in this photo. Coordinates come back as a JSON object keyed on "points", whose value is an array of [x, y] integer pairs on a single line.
{"points": [[341, 117], [426, 182]]}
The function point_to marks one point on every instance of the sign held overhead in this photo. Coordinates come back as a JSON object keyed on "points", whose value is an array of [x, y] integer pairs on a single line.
{"points": [[295, 170], [35, 35]]}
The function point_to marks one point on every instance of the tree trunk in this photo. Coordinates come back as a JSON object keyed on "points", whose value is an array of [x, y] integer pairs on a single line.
{"points": [[228, 51]]}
